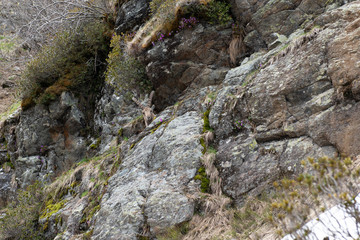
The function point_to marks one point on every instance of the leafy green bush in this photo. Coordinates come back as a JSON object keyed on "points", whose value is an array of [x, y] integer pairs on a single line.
{"points": [[72, 61], [213, 11], [125, 72], [218, 12], [21, 216], [326, 182]]}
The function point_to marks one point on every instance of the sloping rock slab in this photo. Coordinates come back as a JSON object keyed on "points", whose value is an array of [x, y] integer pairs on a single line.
{"points": [[148, 190]]}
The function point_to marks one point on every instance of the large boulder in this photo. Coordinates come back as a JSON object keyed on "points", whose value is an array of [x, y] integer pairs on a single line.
{"points": [[131, 14], [302, 103], [149, 189], [193, 58], [263, 18], [49, 139]]}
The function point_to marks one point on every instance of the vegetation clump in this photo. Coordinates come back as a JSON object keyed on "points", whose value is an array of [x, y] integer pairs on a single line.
{"points": [[326, 182], [124, 71], [51, 208], [214, 12], [166, 16], [20, 220], [203, 178], [72, 61]]}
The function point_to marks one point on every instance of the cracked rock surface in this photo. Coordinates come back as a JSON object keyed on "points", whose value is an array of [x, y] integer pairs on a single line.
{"points": [[148, 190]]}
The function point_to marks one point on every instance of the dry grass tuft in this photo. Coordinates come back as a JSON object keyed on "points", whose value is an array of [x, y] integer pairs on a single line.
{"points": [[237, 46], [212, 172], [216, 220]]}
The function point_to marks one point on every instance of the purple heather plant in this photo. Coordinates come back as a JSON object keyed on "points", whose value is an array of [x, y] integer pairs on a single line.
{"points": [[183, 24], [239, 124]]}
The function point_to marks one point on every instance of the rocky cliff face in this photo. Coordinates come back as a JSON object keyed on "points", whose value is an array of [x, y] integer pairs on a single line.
{"points": [[295, 95]]}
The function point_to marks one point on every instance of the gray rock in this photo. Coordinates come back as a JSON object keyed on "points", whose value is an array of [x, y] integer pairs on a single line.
{"points": [[192, 58], [53, 134], [5, 188], [149, 188], [248, 167], [131, 14]]}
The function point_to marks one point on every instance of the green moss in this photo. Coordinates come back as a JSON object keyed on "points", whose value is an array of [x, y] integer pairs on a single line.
{"points": [[96, 144], [8, 164], [52, 208], [157, 126], [45, 226], [58, 220], [88, 234], [74, 184], [84, 194], [206, 121], [10, 110], [120, 132], [203, 178], [84, 160]]}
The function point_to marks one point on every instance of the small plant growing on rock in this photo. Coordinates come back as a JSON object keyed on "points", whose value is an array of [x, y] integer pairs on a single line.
{"points": [[326, 182], [71, 61], [217, 12], [20, 219], [185, 23], [125, 72], [239, 124]]}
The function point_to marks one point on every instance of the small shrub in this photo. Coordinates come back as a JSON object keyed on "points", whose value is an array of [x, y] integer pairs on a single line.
{"points": [[72, 61], [203, 178], [217, 12], [214, 12], [326, 182], [125, 72], [21, 216]]}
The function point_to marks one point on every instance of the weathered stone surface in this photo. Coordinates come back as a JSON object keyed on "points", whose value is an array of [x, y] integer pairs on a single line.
{"points": [[49, 140], [303, 104], [115, 111], [248, 167], [5, 188], [131, 14], [149, 187], [263, 18], [293, 104], [193, 57]]}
